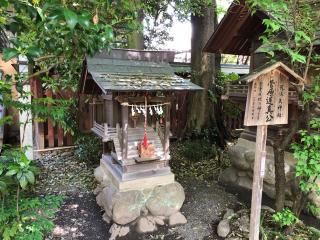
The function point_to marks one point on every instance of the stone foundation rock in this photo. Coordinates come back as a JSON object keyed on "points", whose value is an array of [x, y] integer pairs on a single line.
{"points": [[241, 171], [145, 209]]}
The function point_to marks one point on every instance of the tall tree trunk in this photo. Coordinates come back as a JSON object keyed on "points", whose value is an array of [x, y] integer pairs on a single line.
{"points": [[136, 39], [280, 177], [279, 146], [202, 112]]}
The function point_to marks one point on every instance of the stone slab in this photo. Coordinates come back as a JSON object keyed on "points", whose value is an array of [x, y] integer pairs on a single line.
{"points": [[151, 181]]}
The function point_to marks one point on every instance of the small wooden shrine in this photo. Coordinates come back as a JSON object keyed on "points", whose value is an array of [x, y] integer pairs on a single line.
{"points": [[131, 111]]}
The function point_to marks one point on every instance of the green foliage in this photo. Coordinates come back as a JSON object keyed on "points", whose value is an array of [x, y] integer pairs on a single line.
{"points": [[88, 148], [307, 154], [188, 165], [285, 218], [15, 164], [35, 218], [290, 30], [274, 229], [198, 150], [55, 36], [22, 218]]}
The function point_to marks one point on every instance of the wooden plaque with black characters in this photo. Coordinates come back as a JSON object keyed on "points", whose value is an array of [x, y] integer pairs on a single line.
{"points": [[267, 100]]}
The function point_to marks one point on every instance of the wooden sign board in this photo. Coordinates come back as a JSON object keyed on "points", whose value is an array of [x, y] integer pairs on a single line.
{"points": [[267, 100], [267, 104]]}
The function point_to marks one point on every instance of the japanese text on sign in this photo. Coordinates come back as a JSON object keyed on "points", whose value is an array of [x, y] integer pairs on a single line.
{"points": [[267, 103]]}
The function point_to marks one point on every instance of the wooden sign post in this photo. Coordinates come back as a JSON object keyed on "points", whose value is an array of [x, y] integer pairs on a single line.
{"points": [[267, 104]]}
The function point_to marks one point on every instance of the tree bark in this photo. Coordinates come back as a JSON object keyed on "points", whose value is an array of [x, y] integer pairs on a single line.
{"points": [[136, 38], [279, 147], [202, 112], [280, 178]]}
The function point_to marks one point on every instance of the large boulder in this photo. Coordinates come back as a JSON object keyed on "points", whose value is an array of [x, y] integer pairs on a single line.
{"points": [[127, 207], [237, 157], [166, 200], [106, 199]]}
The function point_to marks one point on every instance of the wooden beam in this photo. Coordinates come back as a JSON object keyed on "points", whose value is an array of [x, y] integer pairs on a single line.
{"points": [[167, 134], [258, 175], [125, 115], [141, 99]]}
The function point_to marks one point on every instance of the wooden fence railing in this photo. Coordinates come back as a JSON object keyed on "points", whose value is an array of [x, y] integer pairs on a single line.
{"points": [[49, 135], [234, 123]]}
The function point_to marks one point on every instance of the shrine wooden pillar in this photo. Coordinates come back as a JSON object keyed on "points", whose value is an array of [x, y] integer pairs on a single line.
{"points": [[125, 116], [167, 133], [108, 110]]}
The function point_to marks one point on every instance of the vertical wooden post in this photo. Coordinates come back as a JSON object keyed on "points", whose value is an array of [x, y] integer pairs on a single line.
{"points": [[94, 111], [109, 110], [50, 125], [105, 130], [38, 126], [125, 115], [167, 134], [60, 137], [258, 175]]}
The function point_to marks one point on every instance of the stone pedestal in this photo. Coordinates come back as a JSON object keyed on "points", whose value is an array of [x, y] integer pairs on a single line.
{"points": [[241, 171], [143, 203]]}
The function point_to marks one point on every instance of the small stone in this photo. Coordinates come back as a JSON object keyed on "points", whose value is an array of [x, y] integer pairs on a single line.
{"points": [[159, 220], [118, 231], [223, 228], [229, 213], [98, 174], [146, 224], [177, 219]]}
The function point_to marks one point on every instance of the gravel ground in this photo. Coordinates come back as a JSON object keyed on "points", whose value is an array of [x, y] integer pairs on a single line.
{"points": [[81, 218]]}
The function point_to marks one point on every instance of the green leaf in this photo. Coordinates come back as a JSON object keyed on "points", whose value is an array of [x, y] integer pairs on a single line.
{"points": [[23, 182], [9, 53], [84, 19], [40, 12], [34, 51], [4, 3], [30, 177], [71, 18], [56, 15], [11, 172]]}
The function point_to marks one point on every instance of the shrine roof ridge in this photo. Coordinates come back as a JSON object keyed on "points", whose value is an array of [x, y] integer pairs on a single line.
{"points": [[269, 67], [136, 75]]}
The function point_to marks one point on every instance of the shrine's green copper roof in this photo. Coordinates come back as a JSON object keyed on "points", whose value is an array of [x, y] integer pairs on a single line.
{"points": [[135, 75]]}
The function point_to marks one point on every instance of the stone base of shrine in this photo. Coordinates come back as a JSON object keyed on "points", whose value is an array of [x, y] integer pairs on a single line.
{"points": [[133, 181], [142, 203]]}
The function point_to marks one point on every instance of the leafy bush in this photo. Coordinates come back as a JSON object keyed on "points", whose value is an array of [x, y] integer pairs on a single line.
{"points": [[198, 150], [285, 218], [22, 218], [34, 220], [88, 148], [16, 172], [197, 160]]}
